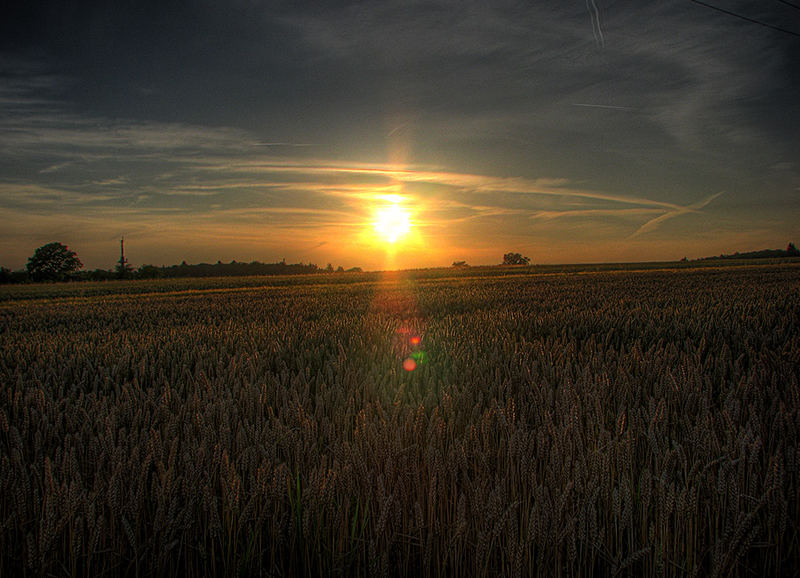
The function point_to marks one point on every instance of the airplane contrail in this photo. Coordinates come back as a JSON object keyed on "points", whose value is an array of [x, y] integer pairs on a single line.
{"points": [[397, 129], [611, 106], [597, 31], [653, 224], [284, 144]]}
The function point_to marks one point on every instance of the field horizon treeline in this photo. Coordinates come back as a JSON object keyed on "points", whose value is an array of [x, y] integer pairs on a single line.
{"points": [[610, 423], [64, 265], [183, 270]]}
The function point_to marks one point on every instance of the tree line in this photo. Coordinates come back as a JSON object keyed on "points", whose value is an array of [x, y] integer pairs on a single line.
{"points": [[57, 262], [790, 251]]}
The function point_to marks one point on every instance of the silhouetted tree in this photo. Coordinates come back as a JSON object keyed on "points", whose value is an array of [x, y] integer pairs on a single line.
{"points": [[460, 264], [148, 272], [53, 262], [123, 271], [791, 250], [515, 259], [100, 275], [5, 275], [20, 276]]}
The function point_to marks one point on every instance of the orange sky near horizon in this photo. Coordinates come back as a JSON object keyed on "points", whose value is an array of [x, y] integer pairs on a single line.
{"points": [[451, 216]]}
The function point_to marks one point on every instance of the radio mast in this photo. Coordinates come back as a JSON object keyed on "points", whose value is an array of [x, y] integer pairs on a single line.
{"points": [[122, 260], [123, 269]]}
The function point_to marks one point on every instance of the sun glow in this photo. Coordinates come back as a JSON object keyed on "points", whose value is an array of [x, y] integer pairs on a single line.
{"points": [[392, 223]]}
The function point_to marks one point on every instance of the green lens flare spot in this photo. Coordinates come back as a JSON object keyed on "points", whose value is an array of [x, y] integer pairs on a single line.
{"points": [[419, 357]]}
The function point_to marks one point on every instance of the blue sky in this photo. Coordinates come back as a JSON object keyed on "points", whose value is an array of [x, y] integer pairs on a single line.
{"points": [[567, 131]]}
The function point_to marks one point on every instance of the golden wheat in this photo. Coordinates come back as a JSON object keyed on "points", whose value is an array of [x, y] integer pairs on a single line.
{"points": [[605, 424]]}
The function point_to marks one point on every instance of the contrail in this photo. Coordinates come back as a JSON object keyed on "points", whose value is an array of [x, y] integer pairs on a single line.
{"points": [[611, 106], [397, 129], [597, 31], [653, 224], [285, 144]]}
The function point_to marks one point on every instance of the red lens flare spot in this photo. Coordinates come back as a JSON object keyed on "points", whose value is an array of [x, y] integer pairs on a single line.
{"points": [[409, 364], [415, 340]]}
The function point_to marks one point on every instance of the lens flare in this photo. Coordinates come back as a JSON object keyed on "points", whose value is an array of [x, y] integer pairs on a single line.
{"points": [[409, 364], [418, 357], [415, 340]]}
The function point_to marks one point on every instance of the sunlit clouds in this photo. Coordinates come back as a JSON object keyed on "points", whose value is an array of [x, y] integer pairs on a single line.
{"points": [[186, 192], [239, 204]]}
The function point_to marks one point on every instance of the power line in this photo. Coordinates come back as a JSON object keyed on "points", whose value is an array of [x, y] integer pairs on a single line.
{"points": [[747, 18]]}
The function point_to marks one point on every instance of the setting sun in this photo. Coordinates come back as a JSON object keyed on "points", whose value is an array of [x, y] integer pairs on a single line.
{"points": [[392, 223]]}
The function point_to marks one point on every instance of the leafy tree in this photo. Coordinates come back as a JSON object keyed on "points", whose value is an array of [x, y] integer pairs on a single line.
{"points": [[53, 262], [792, 250], [515, 259]]}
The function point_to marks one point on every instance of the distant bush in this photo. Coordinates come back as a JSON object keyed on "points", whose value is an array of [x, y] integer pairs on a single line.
{"points": [[515, 259]]}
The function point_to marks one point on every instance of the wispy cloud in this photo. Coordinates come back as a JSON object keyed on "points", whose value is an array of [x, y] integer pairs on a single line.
{"points": [[395, 177], [607, 106], [603, 213], [224, 174]]}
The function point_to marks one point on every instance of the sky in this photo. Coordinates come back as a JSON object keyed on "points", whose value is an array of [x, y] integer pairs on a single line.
{"points": [[570, 131]]}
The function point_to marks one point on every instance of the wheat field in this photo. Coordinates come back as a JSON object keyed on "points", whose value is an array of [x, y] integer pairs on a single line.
{"points": [[610, 423]]}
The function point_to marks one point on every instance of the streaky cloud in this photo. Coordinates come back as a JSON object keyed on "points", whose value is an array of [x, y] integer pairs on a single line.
{"points": [[473, 182], [655, 223], [606, 106]]}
